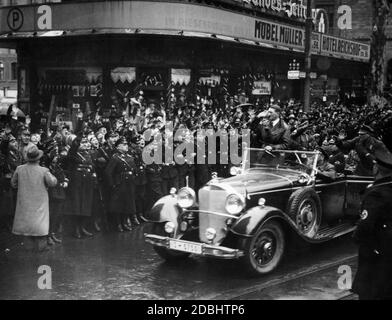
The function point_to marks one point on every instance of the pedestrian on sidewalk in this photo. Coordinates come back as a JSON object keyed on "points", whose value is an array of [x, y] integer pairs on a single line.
{"points": [[32, 205]]}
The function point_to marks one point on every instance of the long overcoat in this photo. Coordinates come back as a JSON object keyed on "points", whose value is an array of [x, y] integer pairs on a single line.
{"points": [[32, 206], [373, 279]]}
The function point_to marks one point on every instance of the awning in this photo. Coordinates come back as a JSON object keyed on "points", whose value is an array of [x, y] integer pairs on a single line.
{"points": [[123, 74], [181, 76]]}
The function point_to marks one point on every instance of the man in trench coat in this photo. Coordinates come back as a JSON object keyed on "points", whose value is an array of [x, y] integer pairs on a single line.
{"points": [[32, 206]]}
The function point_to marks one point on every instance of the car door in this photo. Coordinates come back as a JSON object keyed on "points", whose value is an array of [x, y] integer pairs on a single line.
{"points": [[356, 185], [332, 196]]}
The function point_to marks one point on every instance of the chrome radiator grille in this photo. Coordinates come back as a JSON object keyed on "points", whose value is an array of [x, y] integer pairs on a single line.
{"points": [[212, 198]]}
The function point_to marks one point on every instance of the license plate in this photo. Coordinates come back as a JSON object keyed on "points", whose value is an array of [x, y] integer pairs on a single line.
{"points": [[185, 246]]}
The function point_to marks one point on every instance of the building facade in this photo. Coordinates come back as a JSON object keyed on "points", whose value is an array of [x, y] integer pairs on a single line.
{"points": [[86, 55], [361, 27]]}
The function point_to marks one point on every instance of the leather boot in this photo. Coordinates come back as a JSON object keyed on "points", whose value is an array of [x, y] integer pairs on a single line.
{"points": [[120, 228], [141, 218], [49, 241], [126, 227], [77, 233], [54, 238], [97, 227], [135, 222], [85, 232]]}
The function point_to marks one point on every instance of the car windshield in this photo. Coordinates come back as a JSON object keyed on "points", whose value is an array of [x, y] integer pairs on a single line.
{"points": [[297, 160]]}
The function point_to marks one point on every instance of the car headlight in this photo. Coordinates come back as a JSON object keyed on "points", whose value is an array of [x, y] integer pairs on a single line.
{"points": [[169, 227], [234, 204], [186, 198], [235, 171]]}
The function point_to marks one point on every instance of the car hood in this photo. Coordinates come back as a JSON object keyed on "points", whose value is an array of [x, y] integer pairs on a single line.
{"points": [[261, 180]]}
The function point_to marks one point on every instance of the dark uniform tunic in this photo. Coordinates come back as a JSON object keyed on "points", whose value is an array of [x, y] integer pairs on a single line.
{"points": [[83, 180], [374, 236], [154, 177], [364, 146], [140, 179], [120, 175], [12, 160]]}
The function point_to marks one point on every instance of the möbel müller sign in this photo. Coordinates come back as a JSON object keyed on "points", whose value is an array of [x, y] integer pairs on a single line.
{"points": [[279, 34]]}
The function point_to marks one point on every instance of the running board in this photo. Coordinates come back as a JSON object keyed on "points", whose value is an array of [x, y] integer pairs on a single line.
{"points": [[327, 233]]}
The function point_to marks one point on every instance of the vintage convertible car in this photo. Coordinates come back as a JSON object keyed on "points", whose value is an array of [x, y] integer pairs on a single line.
{"points": [[250, 216]]}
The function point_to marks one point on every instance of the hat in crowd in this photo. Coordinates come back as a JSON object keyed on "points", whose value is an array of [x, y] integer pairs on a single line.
{"points": [[25, 130], [276, 107], [121, 140], [291, 116], [365, 129], [111, 134], [383, 157], [34, 154], [263, 114]]}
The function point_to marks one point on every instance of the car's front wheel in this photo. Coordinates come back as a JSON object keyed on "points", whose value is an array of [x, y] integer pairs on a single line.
{"points": [[264, 251], [164, 253]]}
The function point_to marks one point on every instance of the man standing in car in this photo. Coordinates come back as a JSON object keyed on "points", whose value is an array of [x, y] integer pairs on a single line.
{"points": [[373, 280], [275, 135]]}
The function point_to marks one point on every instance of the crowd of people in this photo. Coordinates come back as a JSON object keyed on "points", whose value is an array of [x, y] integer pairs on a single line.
{"points": [[97, 178]]}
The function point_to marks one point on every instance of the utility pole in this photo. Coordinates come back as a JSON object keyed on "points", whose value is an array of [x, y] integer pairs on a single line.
{"points": [[308, 54]]}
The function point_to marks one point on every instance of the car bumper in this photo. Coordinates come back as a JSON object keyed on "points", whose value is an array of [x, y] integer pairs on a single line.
{"points": [[207, 250]]}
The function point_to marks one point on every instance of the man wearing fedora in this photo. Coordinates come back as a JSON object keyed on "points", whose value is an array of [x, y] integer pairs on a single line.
{"points": [[32, 206], [373, 280]]}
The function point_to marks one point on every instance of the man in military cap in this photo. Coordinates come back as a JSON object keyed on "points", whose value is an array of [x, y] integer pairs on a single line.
{"points": [[374, 234], [120, 174], [364, 145], [138, 144]]}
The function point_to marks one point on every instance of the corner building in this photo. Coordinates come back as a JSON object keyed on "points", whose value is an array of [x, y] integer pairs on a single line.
{"points": [[83, 55]]}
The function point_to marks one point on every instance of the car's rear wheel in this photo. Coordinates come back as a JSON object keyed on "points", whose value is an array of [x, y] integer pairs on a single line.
{"points": [[164, 253], [264, 251], [304, 207]]}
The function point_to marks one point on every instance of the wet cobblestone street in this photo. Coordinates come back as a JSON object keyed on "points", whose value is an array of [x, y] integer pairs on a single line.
{"points": [[122, 266]]}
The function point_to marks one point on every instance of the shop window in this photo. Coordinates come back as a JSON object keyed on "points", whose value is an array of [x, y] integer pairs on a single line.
{"points": [[1, 71], [14, 71]]}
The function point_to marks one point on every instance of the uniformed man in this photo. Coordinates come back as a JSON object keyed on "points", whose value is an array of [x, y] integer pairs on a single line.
{"points": [[140, 177], [83, 180], [374, 234], [364, 144], [154, 177], [104, 154], [120, 174]]}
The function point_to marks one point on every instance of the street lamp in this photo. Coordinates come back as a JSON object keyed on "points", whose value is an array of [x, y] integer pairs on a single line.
{"points": [[308, 54]]}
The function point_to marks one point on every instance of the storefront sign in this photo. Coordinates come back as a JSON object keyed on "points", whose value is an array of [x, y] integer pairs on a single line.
{"points": [[53, 20], [320, 20], [262, 88], [343, 48], [315, 42], [293, 74], [290, 8], [279, 34]]}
